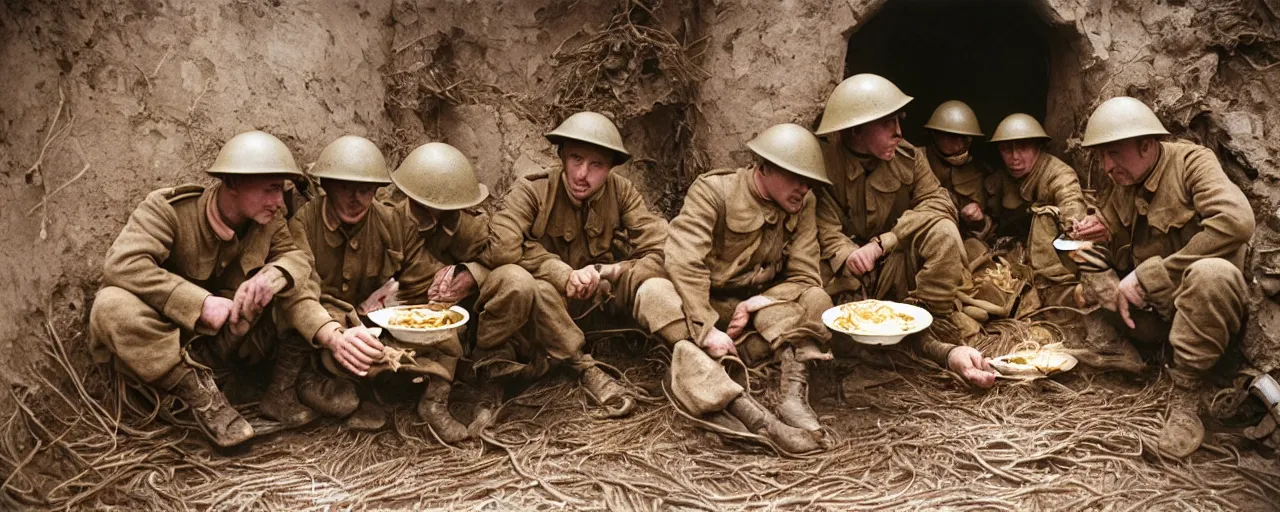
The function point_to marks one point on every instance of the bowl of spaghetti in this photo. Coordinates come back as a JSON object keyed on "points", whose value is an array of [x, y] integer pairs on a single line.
{"points": [[877, 322], [420, 324]]}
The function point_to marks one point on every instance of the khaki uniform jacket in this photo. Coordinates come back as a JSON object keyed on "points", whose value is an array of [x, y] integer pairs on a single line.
{"points": [[169, 257], [1051, 182], [966, 183], [543, 231], [1186, 209], [352, 262], [725, 234], [870, 197]]}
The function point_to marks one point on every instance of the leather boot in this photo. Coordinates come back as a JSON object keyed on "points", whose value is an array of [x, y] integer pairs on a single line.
{"points": [[194, 385], [371, 416], [280, 402], [607, 392], [329, 395], [794, 409], [1183, 432], [758, 419], [433, 407]]}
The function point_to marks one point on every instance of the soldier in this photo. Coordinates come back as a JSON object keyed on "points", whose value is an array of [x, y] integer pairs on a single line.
{"points": [[203, 277], [574, 229], [743, 255], [368, 254], [885, 203], [1178, 226], [1042, 200], [953, 126]]}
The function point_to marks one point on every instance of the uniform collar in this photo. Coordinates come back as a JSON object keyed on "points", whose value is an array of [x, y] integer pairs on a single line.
{"points": [[1152, 180], [767, 210], [220, 228], [335, 232]]}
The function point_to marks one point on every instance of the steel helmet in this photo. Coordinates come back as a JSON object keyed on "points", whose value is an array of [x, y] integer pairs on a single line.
{"points": [[254, 152], [1019, 127], [352, 158], [1120, 118], [794, 148], [591, 128], [439, 176], [860, 99], [954, 117]]}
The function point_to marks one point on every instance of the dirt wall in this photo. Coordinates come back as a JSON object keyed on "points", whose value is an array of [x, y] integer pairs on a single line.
{"points": [[151, 88]]}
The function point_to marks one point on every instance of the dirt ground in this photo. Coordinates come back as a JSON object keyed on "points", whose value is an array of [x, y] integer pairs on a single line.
{"points": [[105, 101]]}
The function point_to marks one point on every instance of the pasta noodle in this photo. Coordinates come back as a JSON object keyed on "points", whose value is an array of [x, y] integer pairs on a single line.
{"points": [[873, 317], [423, 318]]}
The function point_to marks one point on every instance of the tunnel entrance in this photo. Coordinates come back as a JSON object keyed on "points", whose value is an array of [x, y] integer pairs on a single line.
{"points": [[992, 54]]}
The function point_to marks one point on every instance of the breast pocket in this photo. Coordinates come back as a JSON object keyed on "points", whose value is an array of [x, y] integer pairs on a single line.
{"points": [[741, 238], [385, 267]]}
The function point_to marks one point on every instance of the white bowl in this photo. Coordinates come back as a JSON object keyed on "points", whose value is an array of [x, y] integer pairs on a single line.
{"points": [[426, 335], [922, 321]]}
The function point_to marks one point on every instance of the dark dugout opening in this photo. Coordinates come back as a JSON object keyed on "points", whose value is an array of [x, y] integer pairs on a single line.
{"points": [[991, 54]]}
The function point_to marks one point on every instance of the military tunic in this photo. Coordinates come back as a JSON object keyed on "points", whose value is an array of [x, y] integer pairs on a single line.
{"points": [[966, 185], [1049, 183], [1183, 231], [543, 231], [169, 258], [729, 244]]}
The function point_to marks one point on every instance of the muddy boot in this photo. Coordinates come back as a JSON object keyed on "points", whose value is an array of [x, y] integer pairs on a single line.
{"points": [[329, 395], [607, 392], [759, 420], [794, 409], [433, 407], [1183, 431], [280, 402], [194, 385], [369, 417], [486, 411]]}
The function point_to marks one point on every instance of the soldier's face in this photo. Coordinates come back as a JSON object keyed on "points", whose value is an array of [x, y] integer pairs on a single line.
{"points": [[1019, 156], [879, 138], [950, 143], [1126, 161], [259, 198], [585, 168], [349, 200], [785, 189]]}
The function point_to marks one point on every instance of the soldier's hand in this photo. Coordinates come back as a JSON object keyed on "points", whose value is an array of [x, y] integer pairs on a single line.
{"points": [[717, 344], [356, 349], [582, 283], [386, 296], [742, 314], [254, 295], [969, 363], [456, 286], [1130, 293], [972, 212], [863, 259], [214, 312], [1090, 229]]}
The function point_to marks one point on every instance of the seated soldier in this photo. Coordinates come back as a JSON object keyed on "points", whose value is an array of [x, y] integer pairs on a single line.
{"points": [[885, 203], [203, 277], [1042, 200], [1177, 229], [368, 254], [743, 255], [953, 126], [583, 232]]}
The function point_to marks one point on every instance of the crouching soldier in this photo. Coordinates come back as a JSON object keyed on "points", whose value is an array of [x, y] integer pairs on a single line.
{"points": [[370, 254], [205, 277], [1177, 227], [885, 226], [743, 255], [953, 126], [1039, 198], [581, 233]]}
